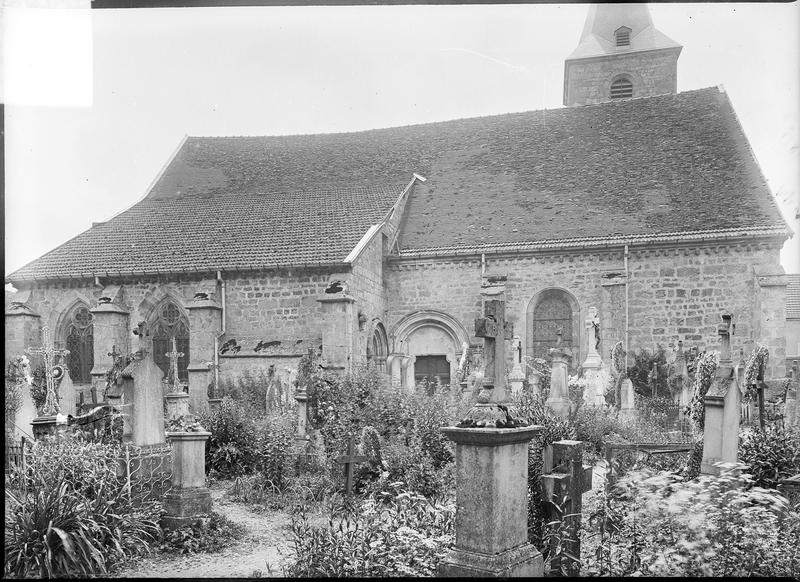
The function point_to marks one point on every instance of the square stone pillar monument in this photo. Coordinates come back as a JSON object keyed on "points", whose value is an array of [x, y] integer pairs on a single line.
{"points": [[723, 408], [205, 323], [110, 340], [337, 331], [189, 500], [23, 330], [492, 468]]}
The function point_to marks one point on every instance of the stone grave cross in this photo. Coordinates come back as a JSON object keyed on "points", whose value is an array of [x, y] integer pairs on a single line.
{"points": [[494, 329], [173, 356], [48, 353], [348, 461]]}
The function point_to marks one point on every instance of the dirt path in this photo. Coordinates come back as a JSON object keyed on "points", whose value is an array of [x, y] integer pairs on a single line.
{"points": [[262, 549]]}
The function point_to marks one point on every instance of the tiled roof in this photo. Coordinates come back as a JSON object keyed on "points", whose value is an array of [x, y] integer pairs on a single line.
{"points": [[793, 297], [236, 231], [666, 164]]}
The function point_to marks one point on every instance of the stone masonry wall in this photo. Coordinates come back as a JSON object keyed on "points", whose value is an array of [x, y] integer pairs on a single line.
{"points": [[676, 293], [370, 294], [652, 73]]}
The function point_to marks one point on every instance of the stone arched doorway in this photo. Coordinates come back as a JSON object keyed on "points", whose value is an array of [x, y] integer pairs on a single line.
{"points": [[549, 311], [427, 346]]}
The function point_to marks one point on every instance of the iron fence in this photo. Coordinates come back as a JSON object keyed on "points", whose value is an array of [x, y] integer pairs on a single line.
{"points": [[145, 473]]}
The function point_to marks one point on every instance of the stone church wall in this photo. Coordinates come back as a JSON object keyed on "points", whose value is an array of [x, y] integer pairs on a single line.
{"points": [[676, 293], [370, 294]]}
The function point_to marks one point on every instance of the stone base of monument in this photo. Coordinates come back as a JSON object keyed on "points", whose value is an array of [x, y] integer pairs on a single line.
{"points": [[177, 404], [214, 404], [492, 498], [49, 426], [186, 507], [189, 501], [559, 406]]}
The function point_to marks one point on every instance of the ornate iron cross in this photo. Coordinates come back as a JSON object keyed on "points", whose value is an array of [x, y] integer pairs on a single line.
{"points": [[48, 353], [494, 329], [173, 366]]}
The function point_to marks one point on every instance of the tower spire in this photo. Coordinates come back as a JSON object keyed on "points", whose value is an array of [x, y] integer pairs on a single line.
{"points": [[620, 54]]}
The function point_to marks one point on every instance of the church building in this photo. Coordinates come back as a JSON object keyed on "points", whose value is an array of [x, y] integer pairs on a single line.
{"points": [[645, 204]]}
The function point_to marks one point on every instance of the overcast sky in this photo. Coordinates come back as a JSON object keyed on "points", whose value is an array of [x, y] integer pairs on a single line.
{"points": [[98, 101]]}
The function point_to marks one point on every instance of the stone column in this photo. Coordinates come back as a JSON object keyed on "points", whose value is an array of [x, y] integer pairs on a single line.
{"points": [[189, 500], [111, 335], [770, 319], [23, 330], [337, 331], [205, 323], [491, 496], [393, 368], [558, 400]]}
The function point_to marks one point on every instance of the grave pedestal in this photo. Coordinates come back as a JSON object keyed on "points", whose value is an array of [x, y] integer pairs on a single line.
{"points": [[627, 398], [492, 498], [189, 500], [214, 404], [49, 426], [177, 404]]}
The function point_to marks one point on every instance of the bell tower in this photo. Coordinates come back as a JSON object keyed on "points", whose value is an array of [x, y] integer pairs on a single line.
{"points": [[620, 55]]}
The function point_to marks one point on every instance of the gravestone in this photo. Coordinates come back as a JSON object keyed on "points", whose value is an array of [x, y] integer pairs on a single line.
{"points": [[722, 409], [26, 413], [535, 382], [566, 479], [684, 393], [791, 415], [627, 398], [142, 380], [517, 376], [67, 395], [492, 468], [594, 390], [558, 400]]}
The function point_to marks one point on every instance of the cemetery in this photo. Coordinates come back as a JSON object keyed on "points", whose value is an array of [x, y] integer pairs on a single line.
{"points": [[534, 472], [537, 344]]}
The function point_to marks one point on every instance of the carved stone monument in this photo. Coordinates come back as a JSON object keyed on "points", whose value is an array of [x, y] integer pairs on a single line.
{"points": [[177, 400], [558, 400], [722, 408], [51, 421], [142, 383], [492, 468]]}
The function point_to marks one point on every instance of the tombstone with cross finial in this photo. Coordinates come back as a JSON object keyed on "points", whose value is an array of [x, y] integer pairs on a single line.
{"points": [[492, 465], [50, 418], [349, 461], [722, 408]]}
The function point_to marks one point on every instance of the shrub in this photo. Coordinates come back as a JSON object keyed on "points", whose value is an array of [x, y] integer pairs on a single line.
{"points": [[257, 392], [393, 533], [772, 455], [74, 517], [209, 535], [274, 458], [640, 372], [652, 524], [232, 448]]}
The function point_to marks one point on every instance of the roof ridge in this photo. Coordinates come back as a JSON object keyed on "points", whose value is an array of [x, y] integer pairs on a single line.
{"points": [[456, 119]]}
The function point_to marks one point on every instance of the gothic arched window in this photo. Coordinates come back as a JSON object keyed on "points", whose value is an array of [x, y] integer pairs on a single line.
{"points": [[169, 321], [551, 311], [78, 333], [621, 88]]}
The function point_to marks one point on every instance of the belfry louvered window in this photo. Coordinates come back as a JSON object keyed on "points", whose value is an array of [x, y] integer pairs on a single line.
{"points": [[623, 36], [621, 88]]}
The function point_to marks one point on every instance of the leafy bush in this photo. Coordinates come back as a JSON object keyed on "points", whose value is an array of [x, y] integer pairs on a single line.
{"points": [[258, 392], [232, 448], [74, 517], [209, 535], [772, 455], [651, 524], [640, 372], [274, 459], [393, 533]]}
